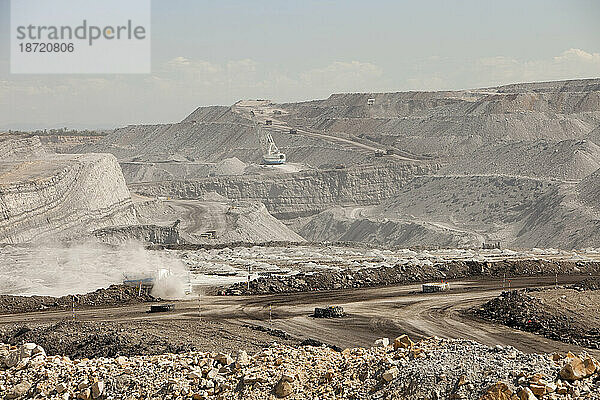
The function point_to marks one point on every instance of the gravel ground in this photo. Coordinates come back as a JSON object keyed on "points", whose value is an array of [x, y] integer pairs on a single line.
{"points": [[431, 369]]}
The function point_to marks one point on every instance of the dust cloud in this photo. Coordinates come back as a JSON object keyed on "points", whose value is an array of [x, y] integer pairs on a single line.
{"points": [[58, 270]]}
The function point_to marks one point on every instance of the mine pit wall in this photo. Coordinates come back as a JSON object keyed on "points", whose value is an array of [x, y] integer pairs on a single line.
{"points": [[88, 193], [20, 148], [299, 194], [164, 235]]}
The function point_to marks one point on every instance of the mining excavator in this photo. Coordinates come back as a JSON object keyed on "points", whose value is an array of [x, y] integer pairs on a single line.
{"points": [[271, 153]]}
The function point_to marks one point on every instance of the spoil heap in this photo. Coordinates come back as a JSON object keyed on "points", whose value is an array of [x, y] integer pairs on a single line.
{"points": [[434, 368], [114, 295], [404, 274], [567, 314]]}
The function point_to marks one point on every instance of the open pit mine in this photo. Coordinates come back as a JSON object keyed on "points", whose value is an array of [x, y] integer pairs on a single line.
{"points": [[411, 245]]}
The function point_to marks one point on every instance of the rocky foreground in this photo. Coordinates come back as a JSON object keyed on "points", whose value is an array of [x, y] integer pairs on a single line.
{"points": [[430, 369]]}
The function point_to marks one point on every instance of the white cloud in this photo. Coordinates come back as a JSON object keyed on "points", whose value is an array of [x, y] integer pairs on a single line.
{"points": [[433, 83], [570, 64], [4, 91], [182, 83], [344, 76], [498, 61], [245, 65], [187, 72], [175, 87], [578, 55]]}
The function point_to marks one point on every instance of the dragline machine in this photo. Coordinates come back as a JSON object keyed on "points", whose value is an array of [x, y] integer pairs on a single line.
{"points": [[271, 154]]}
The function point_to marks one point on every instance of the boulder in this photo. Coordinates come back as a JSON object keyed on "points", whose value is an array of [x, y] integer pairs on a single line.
{"points": [[537, 389], [224, 359], [19, 390], [122, 361], [576, 369], [195, 374], [83, 385], [390, 374], [242, 358], [403, 342], [287, 377], [85, 394], [3, 354], [283, 388], [527, 394], [590, 366], [212, 373], [499, 391], [383, 342], [329, 375], [37, 351], [12, 359], [97, 389], [22, 364], [540, 385]]}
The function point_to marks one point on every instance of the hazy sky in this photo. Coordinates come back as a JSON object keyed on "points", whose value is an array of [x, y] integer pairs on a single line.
{"points": [[217, 52]]}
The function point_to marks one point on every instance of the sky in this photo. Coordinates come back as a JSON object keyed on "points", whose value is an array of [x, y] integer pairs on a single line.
{"points": [[208, 52]]}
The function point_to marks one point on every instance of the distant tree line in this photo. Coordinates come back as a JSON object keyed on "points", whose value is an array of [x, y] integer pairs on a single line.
{"points": [[60, 132]]}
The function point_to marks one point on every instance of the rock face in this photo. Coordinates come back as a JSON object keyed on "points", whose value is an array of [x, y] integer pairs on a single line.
{"points": [[61, 196], [566, 160], [144, 233], [226, 221], [304, 193], [468, 211], [355, 224], [141, 171], [518, 118], [19, 148], [251, 222], [506, 162]]}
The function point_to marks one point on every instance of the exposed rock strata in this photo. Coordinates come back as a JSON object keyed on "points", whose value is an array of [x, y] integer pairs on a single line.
{"points": [[62, 197], [304, 193]]}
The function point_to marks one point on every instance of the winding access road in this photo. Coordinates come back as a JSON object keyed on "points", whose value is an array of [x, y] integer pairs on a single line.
{"points": [[372, 313]]}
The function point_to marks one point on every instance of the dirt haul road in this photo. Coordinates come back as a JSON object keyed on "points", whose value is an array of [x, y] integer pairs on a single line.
{"points": [[372, 313], [262, 108]]}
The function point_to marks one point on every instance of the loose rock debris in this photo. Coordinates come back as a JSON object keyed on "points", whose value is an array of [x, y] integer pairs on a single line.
{"points": [[432, 368], [405, 273]]}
